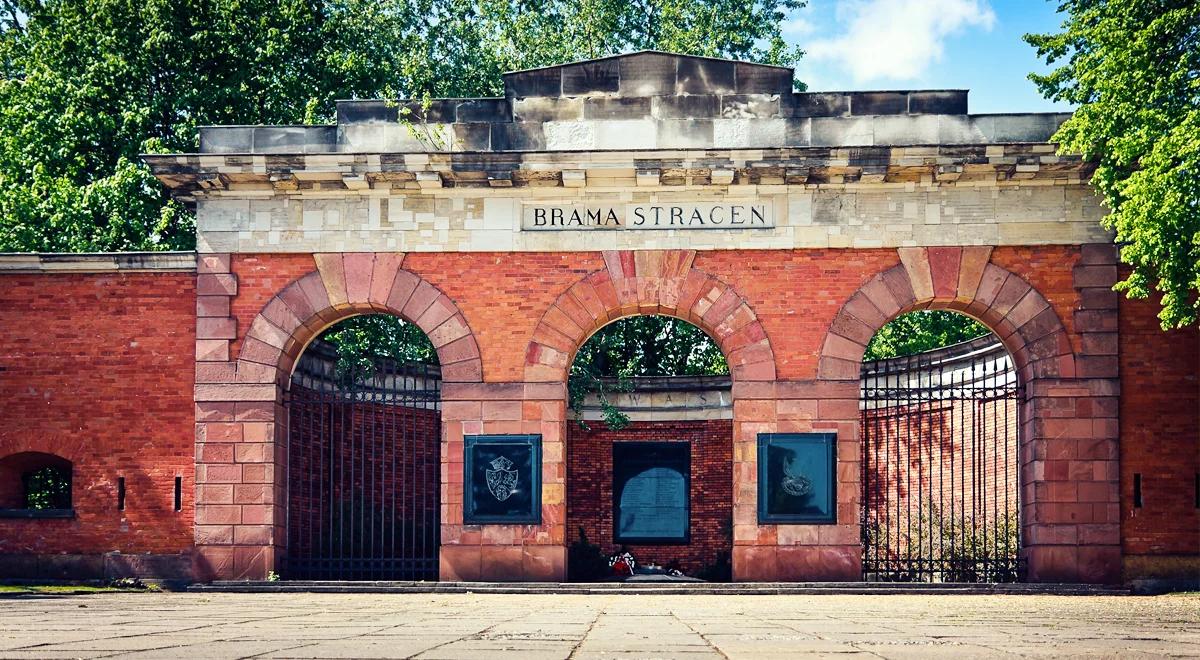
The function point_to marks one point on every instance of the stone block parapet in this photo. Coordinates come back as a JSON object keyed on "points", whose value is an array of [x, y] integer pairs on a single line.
{"points": [[542, 125], [571, 145], [645, 100]]}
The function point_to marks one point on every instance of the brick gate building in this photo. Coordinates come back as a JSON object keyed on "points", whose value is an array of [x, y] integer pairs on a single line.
{"points": [[788, 226]]}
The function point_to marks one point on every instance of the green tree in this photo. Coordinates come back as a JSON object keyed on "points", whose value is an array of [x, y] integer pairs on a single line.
{"points": [[920, 331], [90, 84], [1133, 67], [360, 339], [642, 346], [638, 347], [87, 85]]}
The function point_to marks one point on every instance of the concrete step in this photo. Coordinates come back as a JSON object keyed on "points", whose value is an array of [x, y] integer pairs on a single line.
{"points": [[661, 588]]}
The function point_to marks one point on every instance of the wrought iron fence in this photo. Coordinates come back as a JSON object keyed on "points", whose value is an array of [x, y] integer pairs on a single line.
{"points": [[363, 469], [940, 441]]}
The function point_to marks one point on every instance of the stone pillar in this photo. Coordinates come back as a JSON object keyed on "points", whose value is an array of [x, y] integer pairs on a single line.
{"points": [[518, 553], [796, 552], [237, 527], [1072, 471]]}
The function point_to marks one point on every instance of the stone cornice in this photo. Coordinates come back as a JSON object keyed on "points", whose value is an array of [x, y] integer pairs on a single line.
{"points": [[189, 175]]}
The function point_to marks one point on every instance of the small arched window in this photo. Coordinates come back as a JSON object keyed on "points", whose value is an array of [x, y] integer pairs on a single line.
{"points": [[35, 485]]}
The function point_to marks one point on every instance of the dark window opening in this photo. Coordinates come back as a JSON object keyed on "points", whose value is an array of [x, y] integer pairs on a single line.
{"points": [[120, 493], [1137, 491], [178, 493], [48, 488], [651, 492], [35, 485]]}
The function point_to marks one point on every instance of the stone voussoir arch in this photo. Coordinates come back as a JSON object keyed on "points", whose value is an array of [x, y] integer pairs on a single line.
{"points": [[962, 279], [350, 284], [649, 282]]}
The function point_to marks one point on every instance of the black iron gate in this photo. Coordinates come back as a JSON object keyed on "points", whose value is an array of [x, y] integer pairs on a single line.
{"points": [[363, 465], [940, 438]]}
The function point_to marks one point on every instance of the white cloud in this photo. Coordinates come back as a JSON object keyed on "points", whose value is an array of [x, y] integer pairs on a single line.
{"points": [[797, 26], [895, 39]]}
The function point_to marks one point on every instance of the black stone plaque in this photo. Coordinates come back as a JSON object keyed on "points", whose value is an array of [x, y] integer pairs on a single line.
{"points": [[797, 478], [502, 479], [651, 485]]}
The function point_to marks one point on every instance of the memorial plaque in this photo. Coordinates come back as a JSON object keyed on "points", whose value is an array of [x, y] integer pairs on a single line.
{"points": [[797, 478], [502, 479], [651, 482]]}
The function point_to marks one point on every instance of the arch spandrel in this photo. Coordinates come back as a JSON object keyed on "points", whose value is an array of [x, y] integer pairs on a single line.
{"points": [[352, 284], [961, 279], [645, 282]]}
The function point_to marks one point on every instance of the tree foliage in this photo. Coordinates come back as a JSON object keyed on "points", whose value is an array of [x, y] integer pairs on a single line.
{"points": [[361, 339], [641, 346], [922, 330], [87, 85], [48, 488], [638, 347], [1133, 67], [90, 84]]}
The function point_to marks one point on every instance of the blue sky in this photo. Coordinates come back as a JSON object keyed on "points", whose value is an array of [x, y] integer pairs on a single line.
{"points": [[926, 44]]}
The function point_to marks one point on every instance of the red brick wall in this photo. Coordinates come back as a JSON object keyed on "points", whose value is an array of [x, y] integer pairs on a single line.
{"points": [[98, 369], [1160, 433], [793, 298], [795, 293], [589, 488]]}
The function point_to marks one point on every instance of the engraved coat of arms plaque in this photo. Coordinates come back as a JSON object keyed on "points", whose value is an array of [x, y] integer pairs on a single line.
{"points": [[502, 479]]}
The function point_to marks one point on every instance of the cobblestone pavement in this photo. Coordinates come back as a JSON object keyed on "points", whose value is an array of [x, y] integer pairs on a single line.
{"points": [[622, 626]]}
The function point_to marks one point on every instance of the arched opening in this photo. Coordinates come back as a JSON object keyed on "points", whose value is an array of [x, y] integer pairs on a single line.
{"points": [[649, 452], [940, 453], [35, 484], [363, 454]]}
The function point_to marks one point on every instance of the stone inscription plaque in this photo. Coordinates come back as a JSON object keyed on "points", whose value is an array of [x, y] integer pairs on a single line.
{"points": [[654, 215], [650, 492]]}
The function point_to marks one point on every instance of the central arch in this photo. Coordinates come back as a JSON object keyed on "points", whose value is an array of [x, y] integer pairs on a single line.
{"points": [[649, 451], [666, 282]]}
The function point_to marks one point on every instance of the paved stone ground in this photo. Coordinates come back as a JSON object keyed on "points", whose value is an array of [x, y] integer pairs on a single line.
{"points": [[622, 626]]}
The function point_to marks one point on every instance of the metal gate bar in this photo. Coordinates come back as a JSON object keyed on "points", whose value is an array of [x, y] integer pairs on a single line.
{"points": [[939, 466], [363, 470]]}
